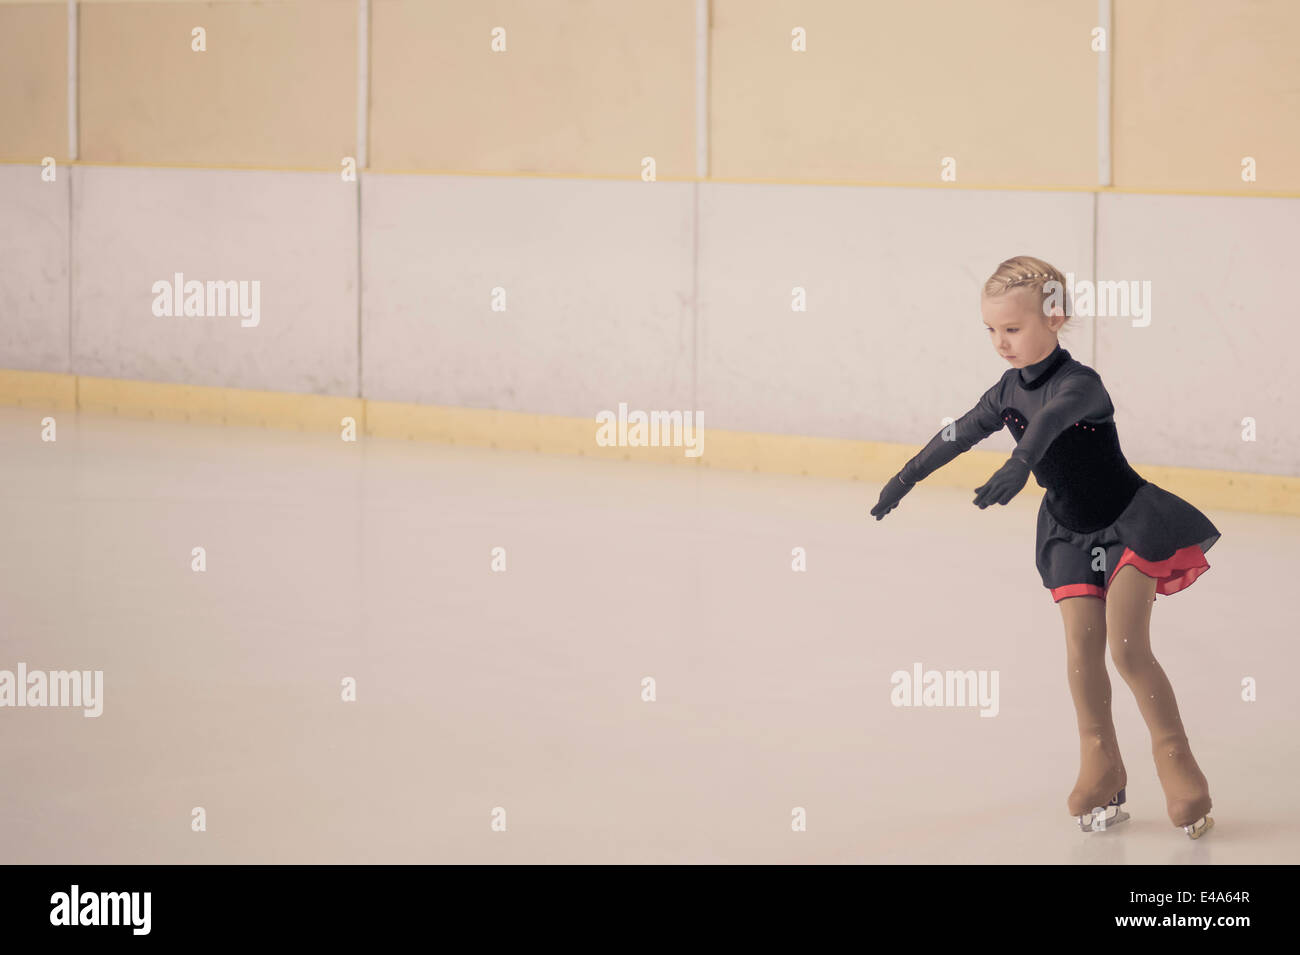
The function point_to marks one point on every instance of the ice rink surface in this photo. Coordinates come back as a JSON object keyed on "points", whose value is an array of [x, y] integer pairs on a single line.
{"points": [[517, 696]]}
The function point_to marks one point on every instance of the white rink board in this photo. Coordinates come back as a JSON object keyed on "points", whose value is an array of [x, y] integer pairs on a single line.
{"points": [[34, 269], [597, 283], [1224, 324], [295, 233], [892, 341], [599, 314]]}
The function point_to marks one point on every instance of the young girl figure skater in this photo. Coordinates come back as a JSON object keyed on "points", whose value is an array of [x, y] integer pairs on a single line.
{"points": [[1108, 541]]}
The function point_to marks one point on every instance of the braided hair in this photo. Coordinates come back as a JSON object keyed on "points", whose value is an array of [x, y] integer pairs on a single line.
{"points": [[1031, 274]]}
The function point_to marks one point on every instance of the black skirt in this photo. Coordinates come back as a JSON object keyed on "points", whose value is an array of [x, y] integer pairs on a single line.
{"points": [[1158, 532]]}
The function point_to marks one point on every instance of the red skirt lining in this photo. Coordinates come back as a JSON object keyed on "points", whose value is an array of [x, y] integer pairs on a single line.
{"points": [[1171, 574]]}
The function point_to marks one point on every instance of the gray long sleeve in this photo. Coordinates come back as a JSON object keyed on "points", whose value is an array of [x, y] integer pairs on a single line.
{"points": [[967, 431]]}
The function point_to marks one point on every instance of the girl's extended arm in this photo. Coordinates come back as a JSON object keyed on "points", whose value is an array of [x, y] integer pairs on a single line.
{"points": [[968, 430]]}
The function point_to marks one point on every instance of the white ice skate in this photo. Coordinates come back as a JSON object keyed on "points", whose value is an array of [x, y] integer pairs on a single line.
{"points": [[1105, 817]]}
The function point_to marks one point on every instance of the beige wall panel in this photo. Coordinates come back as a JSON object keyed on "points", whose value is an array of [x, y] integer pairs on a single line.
{"points": [[597, 284], [1224, 325], [33, 81], [886, 90], [276, 86], [892, 340], [584, 88], [1200, 84], [34, 269], [293, 233]]}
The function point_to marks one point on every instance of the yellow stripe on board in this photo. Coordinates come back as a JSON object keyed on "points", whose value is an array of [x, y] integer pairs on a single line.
{"points": [[870, 461], [38, 389], [199, 404], [505, 430]]}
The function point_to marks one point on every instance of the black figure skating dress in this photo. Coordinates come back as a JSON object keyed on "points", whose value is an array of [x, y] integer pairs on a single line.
{"points": [[1097, 514]]}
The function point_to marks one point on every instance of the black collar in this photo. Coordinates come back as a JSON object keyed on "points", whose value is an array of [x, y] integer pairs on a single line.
{"points": [[1036, 375]]}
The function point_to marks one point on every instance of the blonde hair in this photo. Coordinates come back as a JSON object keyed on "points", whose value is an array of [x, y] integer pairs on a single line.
{"points": [[1031, 274]]}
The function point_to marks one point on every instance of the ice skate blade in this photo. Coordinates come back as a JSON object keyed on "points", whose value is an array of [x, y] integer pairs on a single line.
{"points": [[1200, 827], [1102, 818]]}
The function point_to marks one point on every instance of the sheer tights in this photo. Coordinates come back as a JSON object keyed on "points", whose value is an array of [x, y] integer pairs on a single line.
{"points": [[1123, 620]]}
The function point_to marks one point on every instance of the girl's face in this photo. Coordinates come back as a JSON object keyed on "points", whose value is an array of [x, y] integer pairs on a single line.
{"points": [[1018, 330]]}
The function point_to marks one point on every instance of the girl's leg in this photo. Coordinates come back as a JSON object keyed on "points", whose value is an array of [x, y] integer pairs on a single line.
{"points": [[1128, 622], [1101, 771]]}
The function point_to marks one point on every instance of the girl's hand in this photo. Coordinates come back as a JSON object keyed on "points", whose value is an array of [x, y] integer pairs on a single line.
{"points": [[1003, 485], [890, 495]]}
